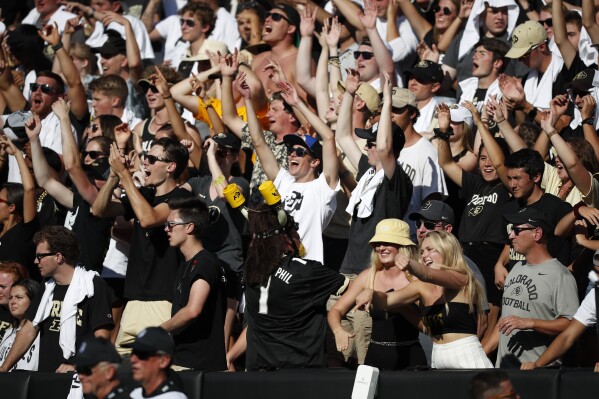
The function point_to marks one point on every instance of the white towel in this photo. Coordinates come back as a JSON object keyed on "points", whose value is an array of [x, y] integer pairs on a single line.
{"points": [[472, 30], [363, 194], [587, 53], [538, 93], [427, 113], [81, 287], [469, 87]]}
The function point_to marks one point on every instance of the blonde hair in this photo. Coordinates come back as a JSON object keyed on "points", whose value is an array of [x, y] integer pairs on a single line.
{"points": [[453, 259], [375, 263]]}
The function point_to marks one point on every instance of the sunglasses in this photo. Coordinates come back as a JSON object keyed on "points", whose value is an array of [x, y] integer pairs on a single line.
{"points": [[46, 88], [189, 22], [277, 17], [93, 154], [152, 88], [518, 230], [370, 144], [152, 159], [533, 48], [142, 355], [548, 22], [365, 55], [428, 224], [39, 257], [446, 10], [172, 223], [299, 151]]}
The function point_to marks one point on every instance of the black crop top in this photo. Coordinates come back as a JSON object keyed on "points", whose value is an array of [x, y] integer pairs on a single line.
{"points": [[459, 320]]}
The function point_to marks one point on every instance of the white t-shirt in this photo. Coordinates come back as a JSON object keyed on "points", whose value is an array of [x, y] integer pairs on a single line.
{"points": [[98, 37], [421, 164], [586, 313], [312, 206], [30, 359], [60, 17]]}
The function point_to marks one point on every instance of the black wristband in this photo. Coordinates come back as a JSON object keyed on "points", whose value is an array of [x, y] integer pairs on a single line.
{"points": [[443, 135], [532, 114], [57, 47], [588, 121]]}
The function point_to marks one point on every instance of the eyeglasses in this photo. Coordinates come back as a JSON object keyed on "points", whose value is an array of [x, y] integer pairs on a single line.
{"points": [[46, 88], [277, 17], [518, 230], [428, 224], [152, 159], [370, 144], [172, 223], [94, 154], [548, 22], [446, 10], [189, 22], [93, 127], [299, 151], [39, 257], [143, 355], [365, 54]]}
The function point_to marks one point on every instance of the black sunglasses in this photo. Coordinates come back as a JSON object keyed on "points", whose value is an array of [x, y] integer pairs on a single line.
{"points": [[189, 22], [299, 151], [46, 88], [428, 224], [370, 144], [93, 154], [518, 230], [39, 257], [365, 55], [277, 17], [143, 355], [548, 22], [152, 88], [152, 159], [446, 10]]}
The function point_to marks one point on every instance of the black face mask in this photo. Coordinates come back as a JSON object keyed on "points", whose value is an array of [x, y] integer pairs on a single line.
{"points": [[99, 169]]}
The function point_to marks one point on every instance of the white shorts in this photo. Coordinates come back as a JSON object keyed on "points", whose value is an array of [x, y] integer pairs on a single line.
{"points": [[465, 353]]}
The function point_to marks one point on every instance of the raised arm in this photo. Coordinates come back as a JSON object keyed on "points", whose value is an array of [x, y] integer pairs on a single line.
{"points": [[588, 20], [10, 91], [218, 177], [344, 132], [303, 65], [589, 105], [384, 137], [420, 25], [29, 205], [136, 68], [267, 159], [229, 67], [331, 31], [381, 53], [105, 205], [456, 26], [41, 169], [449, 166], [560, 36], [446, 278], [350, 11]]}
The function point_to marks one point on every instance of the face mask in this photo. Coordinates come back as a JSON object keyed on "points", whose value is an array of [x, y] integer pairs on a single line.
{"points": [[99, 169]]}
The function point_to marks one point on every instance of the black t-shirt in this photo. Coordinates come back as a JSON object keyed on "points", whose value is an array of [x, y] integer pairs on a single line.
{"points": [[49, 211], [554, 209], [200, 345], [223, 236], [93, 233], [484, 208], [5, 321], [153, 262], [287, 318], [17, 245], [93, 313], [391, 200]]}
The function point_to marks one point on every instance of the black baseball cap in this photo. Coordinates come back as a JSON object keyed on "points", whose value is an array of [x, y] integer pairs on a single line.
{"points": [[308, 142], [227, 140], [290, 12], [533, 217], [115, 44], [153, 340], [426, 72], [583, 81], [93, 351], [435, 211], [397, 134]]}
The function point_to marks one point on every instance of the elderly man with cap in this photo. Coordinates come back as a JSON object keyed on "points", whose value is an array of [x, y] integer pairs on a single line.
{"points": [[97, 363], [153, 351], [424, 80], [418, 158], [539, 296], [548, 75]]}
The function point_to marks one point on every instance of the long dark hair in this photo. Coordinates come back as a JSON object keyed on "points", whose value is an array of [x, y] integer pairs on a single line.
{"points": [[264, 254]]}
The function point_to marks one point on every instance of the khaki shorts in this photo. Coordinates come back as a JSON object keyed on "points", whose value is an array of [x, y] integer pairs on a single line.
{"points": [[360, 323], [137, 316]]}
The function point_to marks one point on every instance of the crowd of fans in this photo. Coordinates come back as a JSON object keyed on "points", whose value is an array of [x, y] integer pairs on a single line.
{"points": [[420, 174]]}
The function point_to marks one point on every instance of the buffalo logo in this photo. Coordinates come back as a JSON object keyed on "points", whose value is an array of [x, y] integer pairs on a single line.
{"points": [[514, 39], [426, 205], [517, 291], [454, 106], [580, 75], [475, 211], [422, 64]]}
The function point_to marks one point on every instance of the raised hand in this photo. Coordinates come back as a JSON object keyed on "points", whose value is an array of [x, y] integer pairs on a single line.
{"points": [[33, 126], [289, 93], [426, 53], [160, 82], [274, 70], [122, 133], [512, 90], [352, 82], [547, 120], [242, 86], [7, 145], [331, 30], [117, 161], [444, 117], [387, 88], [211, 147], [61, 108], [559, 106], [111, 16], [308, 20], [588, 107], [473, 110], [465, 9], [188, 144], [497, 109], [369, 15], [229, 64], [50, 34]]}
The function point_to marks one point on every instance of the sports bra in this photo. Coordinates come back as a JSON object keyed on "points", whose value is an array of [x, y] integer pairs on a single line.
{"points": [[459, 320]]}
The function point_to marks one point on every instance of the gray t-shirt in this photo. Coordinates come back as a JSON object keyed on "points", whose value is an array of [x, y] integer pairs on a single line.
{"points": [[545, 291]]}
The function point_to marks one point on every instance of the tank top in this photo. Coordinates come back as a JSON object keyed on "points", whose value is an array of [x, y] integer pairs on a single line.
{"points": [[450, 317]]}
